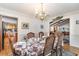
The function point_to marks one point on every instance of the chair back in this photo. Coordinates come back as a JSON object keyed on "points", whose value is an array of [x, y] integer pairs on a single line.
{"points": [[30, 35], [48, 45], [58, 43], [41, 34], [60, 39]]}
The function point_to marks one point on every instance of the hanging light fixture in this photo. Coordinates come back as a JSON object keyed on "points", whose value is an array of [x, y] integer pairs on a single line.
{"points": [[40, 14]]}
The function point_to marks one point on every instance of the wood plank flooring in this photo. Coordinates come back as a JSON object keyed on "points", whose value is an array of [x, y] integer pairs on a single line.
{"points": [[7, 50]]}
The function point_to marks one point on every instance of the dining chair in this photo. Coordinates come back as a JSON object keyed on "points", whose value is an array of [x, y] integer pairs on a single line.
{"points": [[48, 46], [51, 46], [57, 46], [60, 43], [41, 34], [54, 44], [30, 35]]}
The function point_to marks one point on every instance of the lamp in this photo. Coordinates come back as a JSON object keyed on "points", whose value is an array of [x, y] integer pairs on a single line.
{"points": [[40, 14]]}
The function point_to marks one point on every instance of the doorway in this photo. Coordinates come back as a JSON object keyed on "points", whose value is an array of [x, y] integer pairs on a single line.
{"points": [[9, 31]]}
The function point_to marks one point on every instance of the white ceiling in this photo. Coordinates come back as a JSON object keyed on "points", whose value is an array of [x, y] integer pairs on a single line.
{"points": [[52, 9]]}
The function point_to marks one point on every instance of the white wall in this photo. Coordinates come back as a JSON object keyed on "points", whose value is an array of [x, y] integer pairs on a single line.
{"points": [[34, 24]]}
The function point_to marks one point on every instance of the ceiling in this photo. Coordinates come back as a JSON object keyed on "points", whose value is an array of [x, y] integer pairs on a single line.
{"points": [[51, 9]]}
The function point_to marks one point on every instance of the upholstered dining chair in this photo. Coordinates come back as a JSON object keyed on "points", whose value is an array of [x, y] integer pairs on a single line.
{"points": [[53, 47], [48, 46], [30, 35], [60, 43], [41, 34], [57, 45]]}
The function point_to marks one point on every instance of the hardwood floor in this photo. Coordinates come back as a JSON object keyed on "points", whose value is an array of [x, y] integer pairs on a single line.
{"points": [[7, 50], [66, 47], [72, 49]]}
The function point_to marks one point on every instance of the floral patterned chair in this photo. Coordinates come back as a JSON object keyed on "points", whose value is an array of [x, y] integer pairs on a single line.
{"points": [[41, 34], [30, 35]]}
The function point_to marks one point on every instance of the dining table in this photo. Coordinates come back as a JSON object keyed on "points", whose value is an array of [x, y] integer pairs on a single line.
{"points": [[33, 47]]}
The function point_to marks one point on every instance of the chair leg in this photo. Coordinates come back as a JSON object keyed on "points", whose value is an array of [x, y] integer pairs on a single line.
{"points": [[56, 52], [51, 53], [60, 51], [43, 54]]}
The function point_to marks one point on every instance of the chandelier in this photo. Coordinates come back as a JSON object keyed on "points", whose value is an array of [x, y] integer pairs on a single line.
{"points": [[40, 14]]}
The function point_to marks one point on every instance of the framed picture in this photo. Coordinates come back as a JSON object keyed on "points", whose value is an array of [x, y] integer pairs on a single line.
{"points": [[77, 21], [41, 26], [25, 25]]}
